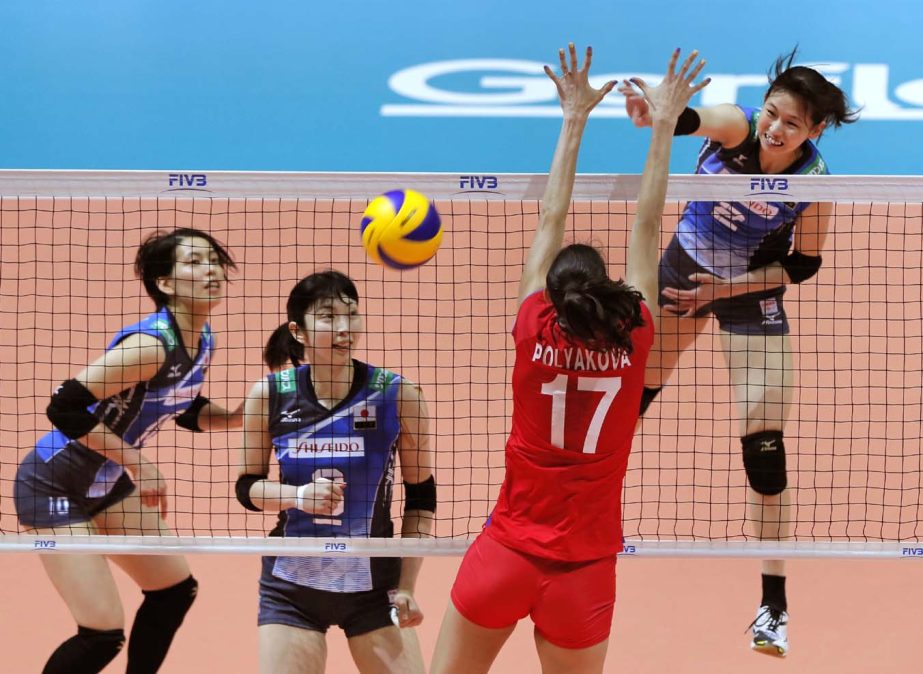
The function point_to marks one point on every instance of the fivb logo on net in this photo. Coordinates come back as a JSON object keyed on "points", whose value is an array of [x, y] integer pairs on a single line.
{"points": [[196, 182], [519, 88]]}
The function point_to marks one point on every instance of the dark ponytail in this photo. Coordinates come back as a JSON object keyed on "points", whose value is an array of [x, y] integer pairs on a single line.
{"points": [[282, 348], [591, 307]]}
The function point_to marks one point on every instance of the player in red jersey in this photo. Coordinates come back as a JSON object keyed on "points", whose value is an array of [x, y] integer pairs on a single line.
{"points": [[582, 340]]}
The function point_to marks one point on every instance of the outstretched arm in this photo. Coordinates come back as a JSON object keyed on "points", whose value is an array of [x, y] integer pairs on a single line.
{"points": [[666, 101], [725, 123], [578, 99]]}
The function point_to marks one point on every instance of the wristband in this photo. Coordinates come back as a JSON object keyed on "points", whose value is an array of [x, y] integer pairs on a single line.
{"points": [[299, 497]]}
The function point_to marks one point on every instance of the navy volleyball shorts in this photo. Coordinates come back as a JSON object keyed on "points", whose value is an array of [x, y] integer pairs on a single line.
{"points": [[759, 313], [60, 483], [285, 603]]}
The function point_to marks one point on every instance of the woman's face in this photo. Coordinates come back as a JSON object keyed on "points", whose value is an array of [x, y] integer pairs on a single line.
{"points": [[198, 276], [332, 329], [784, 124]]}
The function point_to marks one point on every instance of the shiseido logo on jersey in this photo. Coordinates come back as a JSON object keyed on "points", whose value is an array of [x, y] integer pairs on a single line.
{"points": [[763, 186], [289, 418], [319, 448]]}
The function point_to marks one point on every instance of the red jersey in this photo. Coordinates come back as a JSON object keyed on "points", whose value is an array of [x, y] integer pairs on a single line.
{"points": [[574, 417]]}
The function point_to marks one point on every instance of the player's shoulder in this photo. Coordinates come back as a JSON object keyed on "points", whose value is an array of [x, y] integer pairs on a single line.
{"points": [[813, 163], [380, 378], [532, 310], [158, 325]]}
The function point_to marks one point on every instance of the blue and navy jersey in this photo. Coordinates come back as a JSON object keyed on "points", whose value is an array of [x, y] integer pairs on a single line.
{"points": [[356, 443], [137, 412], [731, 238]]}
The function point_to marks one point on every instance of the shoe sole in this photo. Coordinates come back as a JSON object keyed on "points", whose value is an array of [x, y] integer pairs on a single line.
{"points": [[769, 649]]}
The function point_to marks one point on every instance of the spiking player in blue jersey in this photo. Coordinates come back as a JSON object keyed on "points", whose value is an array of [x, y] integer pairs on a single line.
{"points": [[734, 260], [337, 427], [89, 475]]}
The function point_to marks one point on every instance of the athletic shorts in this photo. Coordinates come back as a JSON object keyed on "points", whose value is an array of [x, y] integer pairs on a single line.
{"points": [[571, 603], [760, 313], [285, 603], [61, 482]]}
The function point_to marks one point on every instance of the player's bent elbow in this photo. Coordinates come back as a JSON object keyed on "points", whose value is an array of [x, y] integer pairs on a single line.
{"points": [[800, 267], [421, 496]]}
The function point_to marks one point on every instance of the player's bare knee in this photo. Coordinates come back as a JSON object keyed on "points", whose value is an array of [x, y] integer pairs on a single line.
{"points": [[764, 462]]}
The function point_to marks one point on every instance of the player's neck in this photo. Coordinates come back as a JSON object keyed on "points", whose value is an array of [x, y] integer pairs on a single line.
{"points": [[332, 382], [190, 323], [778, 163]]}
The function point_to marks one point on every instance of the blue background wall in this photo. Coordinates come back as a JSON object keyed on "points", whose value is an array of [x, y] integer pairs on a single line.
{"points": [[304, 85]]}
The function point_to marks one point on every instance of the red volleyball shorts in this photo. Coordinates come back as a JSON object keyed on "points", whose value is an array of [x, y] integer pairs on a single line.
{"points": [[571, 603]]}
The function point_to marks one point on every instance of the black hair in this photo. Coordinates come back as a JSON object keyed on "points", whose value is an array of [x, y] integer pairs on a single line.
{"points": [[823, 100], [156, 258], [281, 347], [593, 308]]}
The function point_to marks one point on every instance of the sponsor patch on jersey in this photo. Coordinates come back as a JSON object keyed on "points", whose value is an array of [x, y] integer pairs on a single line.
{"points": [[380, 379], [365, 418], [166, 330], [314, 447], [772, 315], [285, 381]]}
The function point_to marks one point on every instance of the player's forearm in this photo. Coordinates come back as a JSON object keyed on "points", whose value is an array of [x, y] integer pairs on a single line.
{"points": [[272, 496], [765, 278], [560, 186], [645, 235], [415, 524], [105, 442], [216, 418]]}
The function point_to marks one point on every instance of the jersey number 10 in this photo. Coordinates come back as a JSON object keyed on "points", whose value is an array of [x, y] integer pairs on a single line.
{"points": [[557, 389]]}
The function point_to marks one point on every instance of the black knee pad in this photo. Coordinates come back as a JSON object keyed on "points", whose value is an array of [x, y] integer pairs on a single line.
{"points": [[159, 616], [764, 461], [169, 606], [89, 651], [648, 393]]}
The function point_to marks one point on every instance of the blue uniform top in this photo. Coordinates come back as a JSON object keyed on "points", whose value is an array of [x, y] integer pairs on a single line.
{"points": [[731, 238], [356, 443], [137, 412]]}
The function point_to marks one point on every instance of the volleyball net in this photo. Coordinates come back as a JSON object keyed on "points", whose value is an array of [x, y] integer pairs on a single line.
{"points": [[853, 440]]}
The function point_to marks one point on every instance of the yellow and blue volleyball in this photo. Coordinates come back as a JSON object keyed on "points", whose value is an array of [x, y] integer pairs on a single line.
{"points": [[401, 229]]}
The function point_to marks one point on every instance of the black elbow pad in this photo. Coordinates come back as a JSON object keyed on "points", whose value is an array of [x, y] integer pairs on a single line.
{"points": [[687, 123], [189, 419], [421, 496], [68, 409], [800, 267], [242, 489]]}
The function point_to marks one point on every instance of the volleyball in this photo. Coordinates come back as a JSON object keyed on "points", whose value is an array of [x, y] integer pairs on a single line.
{"points": [[401, 229]]}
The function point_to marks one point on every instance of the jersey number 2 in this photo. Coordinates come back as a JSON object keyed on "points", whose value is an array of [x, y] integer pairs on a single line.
{"points": [[333, 475], [557, 389]]}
